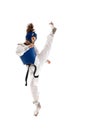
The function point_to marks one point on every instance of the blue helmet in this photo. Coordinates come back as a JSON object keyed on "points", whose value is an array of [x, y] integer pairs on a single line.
{"points": [[30, 35]]}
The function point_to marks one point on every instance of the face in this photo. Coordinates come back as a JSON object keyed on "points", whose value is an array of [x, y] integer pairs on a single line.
{"points": [[33, 39]]}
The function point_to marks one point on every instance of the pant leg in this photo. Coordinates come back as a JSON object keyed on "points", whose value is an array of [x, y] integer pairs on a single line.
{"points": [[34, 85], [42, 57]]}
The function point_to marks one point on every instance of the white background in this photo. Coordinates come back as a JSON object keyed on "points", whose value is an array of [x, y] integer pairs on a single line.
{"points": [[63, 83]]}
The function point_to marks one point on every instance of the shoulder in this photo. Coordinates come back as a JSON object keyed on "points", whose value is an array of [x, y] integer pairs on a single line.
{"points": [[21, 44]]}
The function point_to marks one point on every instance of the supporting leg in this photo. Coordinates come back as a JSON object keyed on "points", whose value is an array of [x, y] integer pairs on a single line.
{"points": [[35, 94]]}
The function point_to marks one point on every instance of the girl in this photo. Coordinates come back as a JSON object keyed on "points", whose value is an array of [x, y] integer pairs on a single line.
{"points": [[31, 57]]}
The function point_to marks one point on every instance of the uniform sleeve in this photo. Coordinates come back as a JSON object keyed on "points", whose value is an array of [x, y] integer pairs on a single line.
{"points": [[21, 49]]}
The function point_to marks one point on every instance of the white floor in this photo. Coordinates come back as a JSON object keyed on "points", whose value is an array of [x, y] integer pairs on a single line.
{"points": [[63, 83]]}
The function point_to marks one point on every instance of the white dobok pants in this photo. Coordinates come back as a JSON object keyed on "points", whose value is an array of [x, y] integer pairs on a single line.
{"points": [[39, 61]]}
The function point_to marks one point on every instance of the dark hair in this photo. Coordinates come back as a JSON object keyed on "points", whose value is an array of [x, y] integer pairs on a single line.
{"points": [[30, 28]]}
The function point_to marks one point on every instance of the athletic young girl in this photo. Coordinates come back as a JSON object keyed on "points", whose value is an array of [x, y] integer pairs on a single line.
{"points": [[34, 60]]}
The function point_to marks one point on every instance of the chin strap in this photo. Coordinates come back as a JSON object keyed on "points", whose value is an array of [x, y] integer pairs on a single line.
{"points": [[27, 73]]}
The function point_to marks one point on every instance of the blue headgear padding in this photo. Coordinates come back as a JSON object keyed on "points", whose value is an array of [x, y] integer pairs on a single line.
{"points": [[30, 35], [29, 56]]}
